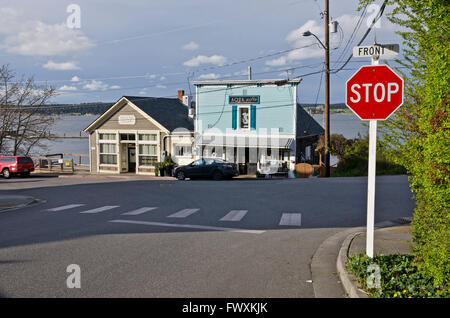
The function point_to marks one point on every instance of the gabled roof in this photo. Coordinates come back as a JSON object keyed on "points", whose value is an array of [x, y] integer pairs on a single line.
{"points": [[170, 113], [306, 124]]}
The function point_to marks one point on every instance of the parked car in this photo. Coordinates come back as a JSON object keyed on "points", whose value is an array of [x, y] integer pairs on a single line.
{"points": [[12, 165], [207, 168]]}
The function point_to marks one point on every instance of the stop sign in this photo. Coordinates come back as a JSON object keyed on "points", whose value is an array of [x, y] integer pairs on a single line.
{"points": [[374, 92]]}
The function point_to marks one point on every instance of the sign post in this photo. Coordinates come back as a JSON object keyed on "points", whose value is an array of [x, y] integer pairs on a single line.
{"points": [[373, 93]]}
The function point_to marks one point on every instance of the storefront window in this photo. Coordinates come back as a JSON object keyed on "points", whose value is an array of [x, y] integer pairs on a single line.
{"points": [[183, 151], [147, 160], [127, 137], [147, 150], [147, 137], [107, 136], [108, 153]]}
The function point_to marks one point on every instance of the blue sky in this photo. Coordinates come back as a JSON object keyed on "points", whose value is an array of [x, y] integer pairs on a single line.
{"points": [[153, 48]]}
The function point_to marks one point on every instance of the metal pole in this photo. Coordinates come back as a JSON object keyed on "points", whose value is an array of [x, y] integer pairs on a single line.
{"points": [[371, 181], [371, 186], [327, 91]]}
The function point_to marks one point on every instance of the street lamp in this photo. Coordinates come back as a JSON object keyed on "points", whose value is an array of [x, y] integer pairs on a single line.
{"points": [[327, 92]]}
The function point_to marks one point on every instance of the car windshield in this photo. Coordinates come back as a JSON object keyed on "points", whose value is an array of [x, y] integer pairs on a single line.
{"points": [[25, 160], [209, 161], [197, 162]]}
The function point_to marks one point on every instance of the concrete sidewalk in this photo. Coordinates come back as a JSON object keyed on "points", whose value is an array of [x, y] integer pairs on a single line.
{"points": [[331, 280], [8, 202], [390, 240]]}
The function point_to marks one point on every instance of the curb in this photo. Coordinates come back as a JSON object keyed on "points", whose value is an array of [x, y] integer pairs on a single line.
{"points": [[325, 278], [330, 279], [349, 281]]}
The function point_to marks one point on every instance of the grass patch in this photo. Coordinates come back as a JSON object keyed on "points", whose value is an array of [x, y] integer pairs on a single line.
{"points": [[399, 277]]}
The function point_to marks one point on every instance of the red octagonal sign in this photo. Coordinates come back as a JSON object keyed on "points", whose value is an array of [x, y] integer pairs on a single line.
{"points": [[374, 92]]}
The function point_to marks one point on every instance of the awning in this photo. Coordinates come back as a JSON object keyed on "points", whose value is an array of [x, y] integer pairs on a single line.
{"points": [[246, 141]]}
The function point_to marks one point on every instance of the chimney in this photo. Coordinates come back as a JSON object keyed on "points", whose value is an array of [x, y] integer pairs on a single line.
{"points": [[180, 94]]}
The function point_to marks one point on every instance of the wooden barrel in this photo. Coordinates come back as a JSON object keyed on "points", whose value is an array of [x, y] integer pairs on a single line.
{"points": [[304, 170]]}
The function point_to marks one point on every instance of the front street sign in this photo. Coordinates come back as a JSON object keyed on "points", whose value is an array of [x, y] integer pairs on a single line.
{"points": [[381, 50]]}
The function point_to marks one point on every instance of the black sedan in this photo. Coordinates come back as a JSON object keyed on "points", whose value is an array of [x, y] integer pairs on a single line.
{"points": [[207, 168]]}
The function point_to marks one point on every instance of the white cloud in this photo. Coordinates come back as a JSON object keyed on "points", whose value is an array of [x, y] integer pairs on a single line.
{"points": [[162, 78], [75, 79], [218, 60], [25, 36], [143, 92], [95, 85], [296, 39], [114, 87], [209, 76], [191, 46], [241, 72], [63, 66], [161, 86], [278, 61], [67, 88]]}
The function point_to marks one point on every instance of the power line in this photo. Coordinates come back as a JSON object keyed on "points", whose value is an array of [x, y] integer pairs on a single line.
{"points": [[377, 17]]}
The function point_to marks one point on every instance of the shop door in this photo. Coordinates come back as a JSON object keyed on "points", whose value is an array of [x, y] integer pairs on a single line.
{"points": [[132, 159]]}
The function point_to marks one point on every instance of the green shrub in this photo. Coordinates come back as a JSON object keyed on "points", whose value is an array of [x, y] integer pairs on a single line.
{"points": [[399, 277]]}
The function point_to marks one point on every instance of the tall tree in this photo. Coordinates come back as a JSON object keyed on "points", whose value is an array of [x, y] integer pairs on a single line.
{"points": [[23, 124], [418, 134]]}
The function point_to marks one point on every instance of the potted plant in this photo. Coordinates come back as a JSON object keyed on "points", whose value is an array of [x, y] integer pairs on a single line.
{"points": [[160, 167], [169, 164]]}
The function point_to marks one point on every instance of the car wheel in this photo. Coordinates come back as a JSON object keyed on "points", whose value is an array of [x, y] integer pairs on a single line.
{"points": [[6, 173], [217, 175], [180, 175]]}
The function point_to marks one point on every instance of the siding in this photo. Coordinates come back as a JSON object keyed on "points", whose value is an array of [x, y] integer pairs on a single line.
{"points": [[141, 122], [275, 110]]}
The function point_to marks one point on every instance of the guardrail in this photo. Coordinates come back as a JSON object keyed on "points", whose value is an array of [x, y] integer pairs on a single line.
{"points": [[53, 164]]}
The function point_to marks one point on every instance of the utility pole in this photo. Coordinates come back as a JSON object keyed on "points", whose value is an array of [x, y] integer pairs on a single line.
{"points": [[327, 89]]}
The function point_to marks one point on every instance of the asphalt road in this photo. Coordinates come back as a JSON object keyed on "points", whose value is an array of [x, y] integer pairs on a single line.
{"points": [[149, 238]]}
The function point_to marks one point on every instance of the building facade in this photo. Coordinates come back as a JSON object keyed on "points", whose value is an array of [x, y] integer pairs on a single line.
{"points": [[136, 132], [254, 123]]}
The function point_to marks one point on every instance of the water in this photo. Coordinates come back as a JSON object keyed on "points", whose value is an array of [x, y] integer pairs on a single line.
{"points": [[69, 125], [346, 124]]}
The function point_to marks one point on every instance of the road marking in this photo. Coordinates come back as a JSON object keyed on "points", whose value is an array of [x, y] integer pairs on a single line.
{"points": [[183, 213], [139, 211], [234, 215], [291, 219], [189, 226], [101, 209], [65, 207]]}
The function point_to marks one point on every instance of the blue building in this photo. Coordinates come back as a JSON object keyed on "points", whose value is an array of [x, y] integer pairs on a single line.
{"points": [[255, 123]]}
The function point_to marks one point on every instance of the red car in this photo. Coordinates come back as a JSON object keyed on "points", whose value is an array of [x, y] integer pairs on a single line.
{"points": [[11, 165]]}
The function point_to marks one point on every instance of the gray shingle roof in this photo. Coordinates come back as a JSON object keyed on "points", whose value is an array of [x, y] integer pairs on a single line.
{"points": [[306, 124], [169, 112]]}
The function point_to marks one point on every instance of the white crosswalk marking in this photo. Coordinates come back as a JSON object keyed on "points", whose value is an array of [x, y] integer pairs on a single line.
{"points": [[234, 215], [291, 219], [183, 213], [101, 209], [139, 211], [65, 207]]}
